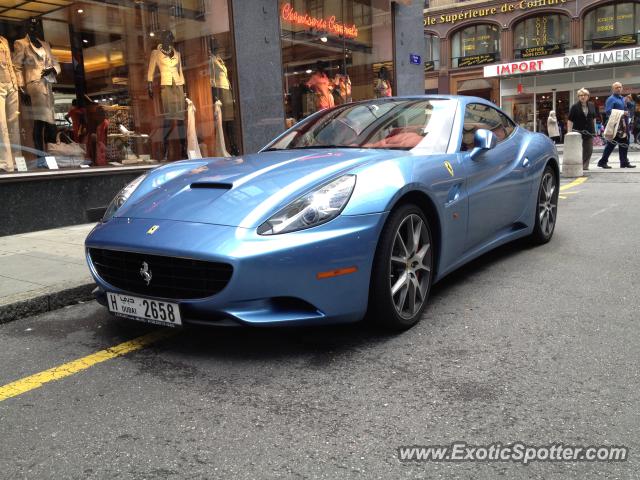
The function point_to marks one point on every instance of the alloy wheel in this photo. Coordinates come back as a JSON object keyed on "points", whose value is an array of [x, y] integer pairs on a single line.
{"points": [[547, 204], [410, 266]]}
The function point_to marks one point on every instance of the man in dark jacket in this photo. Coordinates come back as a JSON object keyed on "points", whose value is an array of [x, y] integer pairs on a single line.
{"points": [[621, 138], [582, 119]]}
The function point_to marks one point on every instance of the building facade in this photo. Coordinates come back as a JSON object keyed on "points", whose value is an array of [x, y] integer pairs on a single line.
{"points": [[531, 56], [96, 92]]}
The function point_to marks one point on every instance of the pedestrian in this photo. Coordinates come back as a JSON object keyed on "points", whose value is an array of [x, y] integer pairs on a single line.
{"points": [[619, 135], [582, 119], [552, 127], [630, 107]]}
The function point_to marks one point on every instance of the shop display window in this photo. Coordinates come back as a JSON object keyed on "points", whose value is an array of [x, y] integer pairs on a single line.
{"points": [[475, 45], [432, 52], [612, 26], [86, 84], [540, 36], [520, 107], [334, 52]]}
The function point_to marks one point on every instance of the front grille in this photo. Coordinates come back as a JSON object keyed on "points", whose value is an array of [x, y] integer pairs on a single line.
{"points": [[175, 278]]}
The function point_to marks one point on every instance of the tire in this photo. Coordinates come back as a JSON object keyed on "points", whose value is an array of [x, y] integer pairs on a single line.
{"points": [[546, 207], [402, 271]]}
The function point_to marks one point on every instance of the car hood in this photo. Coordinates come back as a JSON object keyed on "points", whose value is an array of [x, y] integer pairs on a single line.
{"points": [[240, 191]]}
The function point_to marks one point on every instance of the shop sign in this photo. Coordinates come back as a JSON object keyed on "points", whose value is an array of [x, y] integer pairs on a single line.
{"points": [[414, 59], [623, 55], [603, 43], [541, 51], [429, 66], [508, 7], [476, 60], [329, 24]]}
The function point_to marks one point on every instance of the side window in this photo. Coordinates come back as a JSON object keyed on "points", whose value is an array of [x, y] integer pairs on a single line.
{"points": [[479, 116], [508, 125]]}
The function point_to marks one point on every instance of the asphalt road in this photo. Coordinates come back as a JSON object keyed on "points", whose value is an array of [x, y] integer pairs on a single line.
{"points": [[538, 345]]}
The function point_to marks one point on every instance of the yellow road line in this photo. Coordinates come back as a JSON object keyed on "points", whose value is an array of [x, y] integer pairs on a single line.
{"points": [[37, 380], [575, 183]]}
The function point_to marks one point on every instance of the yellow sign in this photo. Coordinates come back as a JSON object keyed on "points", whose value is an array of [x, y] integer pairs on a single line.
{"points": [[489, 11], [153, 229], [449, 168]]}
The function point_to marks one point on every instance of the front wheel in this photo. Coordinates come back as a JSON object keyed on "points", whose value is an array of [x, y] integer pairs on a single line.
{"points": [[546, 207], [402, 270]]}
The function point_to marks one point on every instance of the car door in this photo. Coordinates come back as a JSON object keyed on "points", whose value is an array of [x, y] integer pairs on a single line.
{"points": [[496, 179]]}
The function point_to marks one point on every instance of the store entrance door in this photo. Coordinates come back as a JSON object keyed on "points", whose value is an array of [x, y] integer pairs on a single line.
{"points": [[558, 101]]}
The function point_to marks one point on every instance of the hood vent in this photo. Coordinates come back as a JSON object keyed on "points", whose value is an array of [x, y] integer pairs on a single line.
{"points": [[212, 185]]}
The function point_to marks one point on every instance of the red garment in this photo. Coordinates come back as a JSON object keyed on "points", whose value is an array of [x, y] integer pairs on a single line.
{"points": [[101, 143], [78, 117], [319, 83]]}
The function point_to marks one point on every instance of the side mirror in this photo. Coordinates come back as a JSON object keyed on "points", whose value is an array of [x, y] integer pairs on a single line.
{"points": [[483, 140]]}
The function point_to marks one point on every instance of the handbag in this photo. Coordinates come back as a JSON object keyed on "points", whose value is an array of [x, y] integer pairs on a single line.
{"points": [[70, 154]]}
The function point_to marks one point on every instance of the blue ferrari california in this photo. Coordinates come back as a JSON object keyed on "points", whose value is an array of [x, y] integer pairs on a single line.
{"points": [[355, 211]]}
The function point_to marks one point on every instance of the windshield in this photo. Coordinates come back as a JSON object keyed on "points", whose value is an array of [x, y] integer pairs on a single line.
{"points": [[397, 123]]}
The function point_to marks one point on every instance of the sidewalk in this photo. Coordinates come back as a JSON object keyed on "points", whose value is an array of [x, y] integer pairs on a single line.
{"points": [[43, 271]]}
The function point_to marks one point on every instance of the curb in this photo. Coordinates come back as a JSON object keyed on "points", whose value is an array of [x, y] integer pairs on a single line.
{"points": [[44, 300]]}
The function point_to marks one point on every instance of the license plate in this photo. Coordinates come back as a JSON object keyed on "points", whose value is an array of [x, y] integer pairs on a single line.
{"points": [[145, 309]]}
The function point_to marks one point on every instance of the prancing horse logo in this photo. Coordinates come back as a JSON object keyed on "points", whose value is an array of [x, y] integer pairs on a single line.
{"points": [[146, 273]]}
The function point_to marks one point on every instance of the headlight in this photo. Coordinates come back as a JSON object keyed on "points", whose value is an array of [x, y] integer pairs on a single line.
{"points": [[122, 197], [314, 208]]}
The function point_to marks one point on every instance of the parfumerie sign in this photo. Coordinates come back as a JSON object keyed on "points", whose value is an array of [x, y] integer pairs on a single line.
{"points": [[488, 11], [329, 25], [623, 55]]}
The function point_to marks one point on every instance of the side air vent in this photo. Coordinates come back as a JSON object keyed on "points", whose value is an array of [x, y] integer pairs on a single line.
{"points": [[212, 185]]}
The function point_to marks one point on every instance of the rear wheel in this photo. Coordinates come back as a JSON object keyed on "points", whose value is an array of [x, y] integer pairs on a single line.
{"points": [[546, 207], [402, 270]]}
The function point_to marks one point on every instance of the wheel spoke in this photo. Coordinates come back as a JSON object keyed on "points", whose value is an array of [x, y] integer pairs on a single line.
{"points": [[544, 223], [422, 252], [417, 233], [402, 244], [399, 283], [399, 260], [411, 297], [403, 297]]}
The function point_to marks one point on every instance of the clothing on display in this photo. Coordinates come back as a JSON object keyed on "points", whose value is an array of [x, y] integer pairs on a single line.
{"points": [[225, 97], [382, 88], [220, 149], [29, 61], [169, 64], [218, 75], [172, 98], [342, 85], [9, 108], [320, 84], [193, 147]]}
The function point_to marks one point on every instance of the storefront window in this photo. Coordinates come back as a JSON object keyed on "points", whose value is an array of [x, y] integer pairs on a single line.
{"points": [[109, 84], [432, 53], [334, 52], [475, 45], [539, 36], [612, 26]]}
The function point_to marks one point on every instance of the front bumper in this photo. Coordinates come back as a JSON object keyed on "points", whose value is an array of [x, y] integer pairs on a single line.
{"points": [[274, 279]]}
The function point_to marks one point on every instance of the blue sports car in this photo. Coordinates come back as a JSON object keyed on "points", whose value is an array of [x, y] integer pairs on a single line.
{"points": [[355, 211]]}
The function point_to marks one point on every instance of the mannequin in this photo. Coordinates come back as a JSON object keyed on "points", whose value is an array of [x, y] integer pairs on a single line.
{"points": [[167, 59], [36, 69], [222, 97], [382, 84], [342, 86], [320, 84], [9, 110]]}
